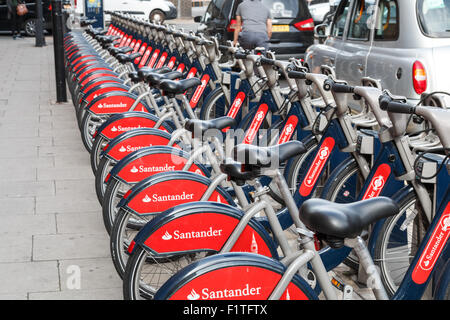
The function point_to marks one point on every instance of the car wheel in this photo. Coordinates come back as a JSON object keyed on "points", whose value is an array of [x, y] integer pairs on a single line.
{"points": [[30, 27], [157, 15]]}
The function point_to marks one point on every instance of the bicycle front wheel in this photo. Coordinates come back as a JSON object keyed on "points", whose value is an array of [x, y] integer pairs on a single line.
{"points": [[398, 242]]}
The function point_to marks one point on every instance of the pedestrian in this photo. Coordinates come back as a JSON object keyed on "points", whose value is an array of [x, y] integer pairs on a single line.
{"points": [[15, 20], [256, 22]]}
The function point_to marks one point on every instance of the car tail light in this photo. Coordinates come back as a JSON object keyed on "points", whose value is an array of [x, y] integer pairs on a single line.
{"points": [[50, 7], [305, 25], [419, 77], [232, 26]]}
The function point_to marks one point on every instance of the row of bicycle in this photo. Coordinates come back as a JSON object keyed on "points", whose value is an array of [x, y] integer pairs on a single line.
{"points": [[206, 170]]}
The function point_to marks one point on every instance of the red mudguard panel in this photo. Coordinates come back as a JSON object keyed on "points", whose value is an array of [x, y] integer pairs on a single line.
{"points": [[204, 231], [151, 164], [167, 194], [236, 283]]}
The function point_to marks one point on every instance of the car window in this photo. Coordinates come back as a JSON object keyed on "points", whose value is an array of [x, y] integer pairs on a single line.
{"points": [[362, 19], [213, 10], [386, 26], [312, 2], [283, 8], [340, 19], [434, 17], [226, 9]]}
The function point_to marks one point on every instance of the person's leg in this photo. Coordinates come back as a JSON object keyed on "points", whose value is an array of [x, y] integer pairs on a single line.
{"points": [[13, 22], [19, 22], [243, 40], [262, 40]]}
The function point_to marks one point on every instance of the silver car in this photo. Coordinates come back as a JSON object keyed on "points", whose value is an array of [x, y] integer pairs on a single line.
{"points": [[405, 44]]}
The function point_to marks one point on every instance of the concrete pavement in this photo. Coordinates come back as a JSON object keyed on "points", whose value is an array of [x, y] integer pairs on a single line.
{"points": [[53, 244]]}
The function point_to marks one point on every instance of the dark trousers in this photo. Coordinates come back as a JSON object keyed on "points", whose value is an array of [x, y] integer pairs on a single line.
{"points": [[16, 22], [251, 40]]}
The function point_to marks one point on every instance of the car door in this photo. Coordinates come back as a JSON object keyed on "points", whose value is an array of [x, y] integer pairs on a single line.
{"points": [[319, 55], [387, 61], [121, 5], [213, 19], [351, 59], [4, 22]]}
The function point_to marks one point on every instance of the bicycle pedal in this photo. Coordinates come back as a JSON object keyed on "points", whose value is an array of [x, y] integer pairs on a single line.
{"points": [[255, 194], [347, 291]]}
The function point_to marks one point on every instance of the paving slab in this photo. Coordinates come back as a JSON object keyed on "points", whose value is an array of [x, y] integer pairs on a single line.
{"points": [[70, 246], [29, 277], [93, 274], [27, 224], [97, 294]]}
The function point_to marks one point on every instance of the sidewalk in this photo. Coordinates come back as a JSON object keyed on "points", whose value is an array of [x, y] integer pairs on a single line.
{"points": [[51, 227]]}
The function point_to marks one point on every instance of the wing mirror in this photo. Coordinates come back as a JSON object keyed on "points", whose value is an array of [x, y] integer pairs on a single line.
{"points": [[320, 32], [198, 19]]}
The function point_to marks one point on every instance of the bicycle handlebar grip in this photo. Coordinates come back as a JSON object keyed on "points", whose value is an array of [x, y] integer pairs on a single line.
{"points": [[337, 87], [240, 55], [223, 48], [387, 104], [296, 75], [268, 61]]}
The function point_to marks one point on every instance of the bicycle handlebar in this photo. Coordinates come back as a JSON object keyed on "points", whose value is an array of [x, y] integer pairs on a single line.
{"points": [[330, 85], [390, 105], [240, 55], [268, 61], [297, 75]]}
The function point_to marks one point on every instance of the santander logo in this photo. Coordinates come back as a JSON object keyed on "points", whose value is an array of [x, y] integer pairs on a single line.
{"points": [[378, 182], [288, 130], [256, 123], [130, 148], [323, 155], [179, 235], [317, 165], [434, 247], [240, 97], [112, 105], [208, 294], [198, 92], [193, 295], [168, 197], [147, 169]]}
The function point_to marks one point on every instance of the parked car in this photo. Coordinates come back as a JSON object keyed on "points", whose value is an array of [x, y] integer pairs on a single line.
{"points": [[29, 20], [319, 9], [159, 10], [292, 24], [403, 44], [199, 7]]}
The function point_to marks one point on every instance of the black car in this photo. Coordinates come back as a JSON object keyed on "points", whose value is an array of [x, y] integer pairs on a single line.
{"points": [[293, 26], [29, 20]]}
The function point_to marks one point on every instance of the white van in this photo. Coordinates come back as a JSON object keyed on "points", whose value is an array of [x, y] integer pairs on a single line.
{"points": [[158, 10]]}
